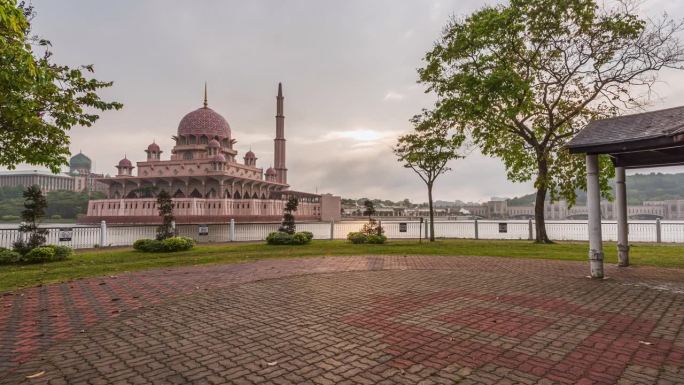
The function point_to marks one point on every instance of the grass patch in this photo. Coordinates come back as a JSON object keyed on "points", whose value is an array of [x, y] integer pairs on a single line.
{"points": [[90, 263]]}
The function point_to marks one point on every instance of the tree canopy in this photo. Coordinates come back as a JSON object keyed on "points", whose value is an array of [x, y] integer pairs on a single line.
{"points": [[39, 99], [522, 79], [427, 151]]}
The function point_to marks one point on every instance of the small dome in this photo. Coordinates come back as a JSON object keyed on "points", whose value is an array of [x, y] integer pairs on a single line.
{"points": [[214, 143], [219, 158], [250, 155], [154, 147], [80, 161], [270, 171], [125, 163]]}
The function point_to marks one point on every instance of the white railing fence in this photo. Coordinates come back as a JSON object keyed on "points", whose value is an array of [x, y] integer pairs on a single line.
{"points": [[80, 237]]}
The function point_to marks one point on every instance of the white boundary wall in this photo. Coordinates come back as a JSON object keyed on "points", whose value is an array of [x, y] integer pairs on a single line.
{"points": [[90, 236]]}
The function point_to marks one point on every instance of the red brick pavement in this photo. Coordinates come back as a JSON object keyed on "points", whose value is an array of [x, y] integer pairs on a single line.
{"points": [[365, 320]]}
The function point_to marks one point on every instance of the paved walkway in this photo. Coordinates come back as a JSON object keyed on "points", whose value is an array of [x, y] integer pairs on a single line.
{"points": [[358, 320]]}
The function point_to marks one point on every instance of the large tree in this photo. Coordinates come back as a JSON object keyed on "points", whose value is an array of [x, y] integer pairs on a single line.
{"points": [[427, 151], [527, 76], [39, 100]]}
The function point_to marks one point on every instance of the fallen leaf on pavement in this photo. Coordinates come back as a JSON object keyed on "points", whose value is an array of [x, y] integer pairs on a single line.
{"points": [[36, 375]]}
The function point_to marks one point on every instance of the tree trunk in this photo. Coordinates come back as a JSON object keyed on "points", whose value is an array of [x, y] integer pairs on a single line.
{"points": [[541, 236], [432, 213]]}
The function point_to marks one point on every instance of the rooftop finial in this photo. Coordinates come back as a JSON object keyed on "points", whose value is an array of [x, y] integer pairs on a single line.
{"points": [[205, 95], [280, 90]]}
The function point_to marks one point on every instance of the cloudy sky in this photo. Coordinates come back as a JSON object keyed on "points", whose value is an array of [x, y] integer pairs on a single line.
{"points": [[348, 70]]}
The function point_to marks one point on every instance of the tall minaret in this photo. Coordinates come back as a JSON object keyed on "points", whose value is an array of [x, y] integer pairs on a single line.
{"points": [[279, 153]]}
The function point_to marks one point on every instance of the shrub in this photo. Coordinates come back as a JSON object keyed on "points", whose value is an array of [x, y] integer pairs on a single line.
{"points": [[372, 227], [56, 216], [169, 245], [148, 245], [376, 239], [10, 218], [283, 238], [361, 237], [357, 237], [177, 244], [8, 256], [300, 238], [61, 252], [38, 255], [279, 238]]}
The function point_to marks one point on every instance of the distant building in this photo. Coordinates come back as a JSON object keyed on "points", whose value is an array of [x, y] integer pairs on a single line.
{"points": [[79, 178], [80, 168], [671, 209], [561, 210], [46, 180]]}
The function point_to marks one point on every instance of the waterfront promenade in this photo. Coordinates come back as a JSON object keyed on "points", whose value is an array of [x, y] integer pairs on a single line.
{"points": [[351, 320]]}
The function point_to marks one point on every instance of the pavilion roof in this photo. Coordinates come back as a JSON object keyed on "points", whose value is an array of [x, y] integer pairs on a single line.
{"points": [[648, 129], [652, 139]]}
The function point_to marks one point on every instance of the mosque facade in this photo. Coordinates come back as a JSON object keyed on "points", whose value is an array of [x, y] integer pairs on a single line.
{"points": [[207, 180]]}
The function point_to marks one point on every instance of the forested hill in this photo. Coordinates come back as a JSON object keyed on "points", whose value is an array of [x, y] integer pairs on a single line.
{"points": [[640, 187], [61, 204]]}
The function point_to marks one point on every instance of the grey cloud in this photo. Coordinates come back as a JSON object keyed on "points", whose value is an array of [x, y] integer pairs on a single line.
{"points": [[345, 66]]}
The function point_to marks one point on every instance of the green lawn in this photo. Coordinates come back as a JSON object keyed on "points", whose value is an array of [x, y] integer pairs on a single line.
{"points": [[110, 261]]}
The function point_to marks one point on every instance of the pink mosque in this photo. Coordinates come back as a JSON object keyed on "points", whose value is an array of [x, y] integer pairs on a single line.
{"points": [[206, 181]]}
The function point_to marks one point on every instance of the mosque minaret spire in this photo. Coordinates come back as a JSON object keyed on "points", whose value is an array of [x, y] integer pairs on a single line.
{"points": [[205, 95], [279, 142]]}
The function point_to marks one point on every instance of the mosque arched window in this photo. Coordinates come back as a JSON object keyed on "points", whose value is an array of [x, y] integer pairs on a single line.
{"points": [[204, 139], [192, 139], [187, 155], [183, 140]]}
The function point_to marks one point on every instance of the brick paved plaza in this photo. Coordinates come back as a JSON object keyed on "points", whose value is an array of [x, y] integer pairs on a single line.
{"points": [[351, 320]]}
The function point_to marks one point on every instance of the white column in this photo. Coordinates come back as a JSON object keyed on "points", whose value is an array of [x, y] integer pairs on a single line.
{"points": [[623, 227], [103, 234], [530, 230], [594, 208]]}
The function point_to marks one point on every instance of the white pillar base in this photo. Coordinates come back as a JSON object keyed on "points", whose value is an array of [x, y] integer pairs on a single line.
{"points": [[596, 263]]}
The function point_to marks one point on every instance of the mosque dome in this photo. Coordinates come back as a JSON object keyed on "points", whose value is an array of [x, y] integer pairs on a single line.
{"points": [[250, 155], [270, 171], [154, 147], [204, 121], [125, 163], [79, 162], [214, 143], [219, 158]]}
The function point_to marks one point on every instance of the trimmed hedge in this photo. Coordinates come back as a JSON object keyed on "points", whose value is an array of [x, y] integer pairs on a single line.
{"points": [[283, 238], [360, 238], [168, 245], [49, 253], [376, 239], [61, 252], [39, 255], [357, 237], [8, 257]]}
